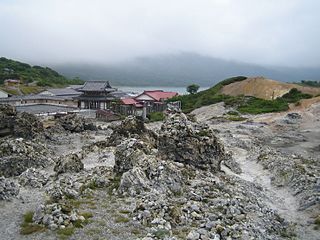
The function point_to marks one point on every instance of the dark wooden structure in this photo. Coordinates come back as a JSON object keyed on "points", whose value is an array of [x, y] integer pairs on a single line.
{"points": [[96, 95]]}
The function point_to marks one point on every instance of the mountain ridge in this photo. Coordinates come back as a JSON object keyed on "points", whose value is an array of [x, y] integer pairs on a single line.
{"points": [[181, 70]]}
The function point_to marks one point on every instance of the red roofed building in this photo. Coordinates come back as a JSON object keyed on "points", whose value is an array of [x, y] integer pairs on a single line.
{"points": [[153, 100], [155, 95]]}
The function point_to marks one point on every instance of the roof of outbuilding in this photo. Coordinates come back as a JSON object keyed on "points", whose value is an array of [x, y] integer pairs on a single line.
{"points": [[157, 95], [129, 101], [61, 91]]}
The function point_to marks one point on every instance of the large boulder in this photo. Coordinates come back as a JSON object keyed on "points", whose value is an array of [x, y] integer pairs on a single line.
{"points": [[134, 182], [69, 163], [190, 143]]}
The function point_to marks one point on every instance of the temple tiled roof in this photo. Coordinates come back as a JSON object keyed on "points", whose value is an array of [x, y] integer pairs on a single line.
{"points": [[97, 86]]}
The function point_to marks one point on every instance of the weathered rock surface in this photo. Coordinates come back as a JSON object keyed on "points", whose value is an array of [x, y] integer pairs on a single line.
{"points": [[33, 178], [69, 163], [131, 127], [191, 143], [23, 124], [74, 123], [8, 189], [17, 155]]}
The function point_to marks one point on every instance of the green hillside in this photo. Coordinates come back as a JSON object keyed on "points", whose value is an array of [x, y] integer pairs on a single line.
{"points": [[42, 76], [243, 104]]}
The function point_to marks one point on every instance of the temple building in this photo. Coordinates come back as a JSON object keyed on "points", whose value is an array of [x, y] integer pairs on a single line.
{"points": [[97, 95]]}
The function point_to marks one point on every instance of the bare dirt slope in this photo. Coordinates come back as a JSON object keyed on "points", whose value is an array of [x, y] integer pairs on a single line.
{"points": [[264, 88]]}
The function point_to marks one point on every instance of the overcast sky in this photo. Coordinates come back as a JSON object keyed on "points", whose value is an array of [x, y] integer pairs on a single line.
{"points": [[273, 32]]}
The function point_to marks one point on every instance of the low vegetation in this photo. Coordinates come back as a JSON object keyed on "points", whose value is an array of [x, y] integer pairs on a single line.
{"points": [[28, 227], [242, 104], [42, 76], [210, 96], [310, 83], [156, 116]]}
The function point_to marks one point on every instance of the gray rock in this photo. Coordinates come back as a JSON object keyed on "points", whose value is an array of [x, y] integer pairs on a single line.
{"points": [[69, 163], [8, 189], [193, 235]]}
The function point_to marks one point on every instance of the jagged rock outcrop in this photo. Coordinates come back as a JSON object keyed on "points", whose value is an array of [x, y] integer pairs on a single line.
{"points": [[69, 163], [17, 155], [8, 189], [28, 126], [75, 123], [131, 152], [191, 143], [23, 124], [166, 162], [131, 127]]}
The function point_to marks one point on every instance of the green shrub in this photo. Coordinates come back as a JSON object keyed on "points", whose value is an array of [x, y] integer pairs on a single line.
{"points": [[156, 116], [256, 106], [294, 95]]}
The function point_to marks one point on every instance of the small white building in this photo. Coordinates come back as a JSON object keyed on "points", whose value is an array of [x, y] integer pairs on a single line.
{"points": [[3, 94]]}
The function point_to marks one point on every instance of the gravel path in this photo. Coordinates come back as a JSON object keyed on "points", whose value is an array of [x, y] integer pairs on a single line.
{"points": [[279, 199]]}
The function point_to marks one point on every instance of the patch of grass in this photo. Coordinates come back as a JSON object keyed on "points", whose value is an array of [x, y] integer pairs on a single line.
{"points": [[66, 232], [204, 133], [28, 227], [115, 183], [11, 91], [93, 231], [136, 231], [317, 221], [27, 217], [161, 233], [123, 211], [121, 219], [86, 215], [77, 203], [233, 113], [254, 105], [30, 89], [156, 116], [236, 118]]}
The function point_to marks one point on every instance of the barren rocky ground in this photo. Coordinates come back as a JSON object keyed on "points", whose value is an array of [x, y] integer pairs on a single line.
{"points": [[182, 179]]}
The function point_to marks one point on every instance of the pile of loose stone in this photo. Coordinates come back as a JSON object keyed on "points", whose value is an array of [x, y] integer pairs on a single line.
{"points": [[33, 178], [17, 155], [8, 189], [300, 174], [56, 216]]}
